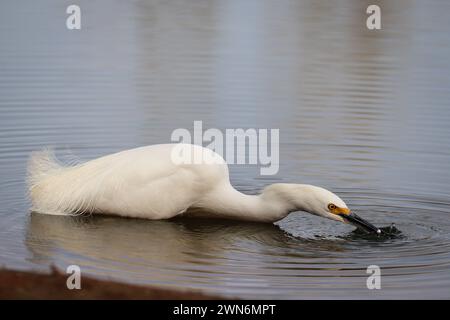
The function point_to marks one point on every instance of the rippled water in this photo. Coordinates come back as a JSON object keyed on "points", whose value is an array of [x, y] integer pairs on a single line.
{"points": [[363, 113]]}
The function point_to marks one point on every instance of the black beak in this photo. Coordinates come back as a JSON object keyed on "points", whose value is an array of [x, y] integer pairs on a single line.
{"points": [[359, 222]]}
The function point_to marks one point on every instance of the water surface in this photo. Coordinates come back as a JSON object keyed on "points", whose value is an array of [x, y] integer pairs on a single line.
{"points": [[363, 113]]}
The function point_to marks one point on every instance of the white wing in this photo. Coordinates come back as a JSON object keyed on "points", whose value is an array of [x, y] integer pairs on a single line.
{"points": [[143, 182]]}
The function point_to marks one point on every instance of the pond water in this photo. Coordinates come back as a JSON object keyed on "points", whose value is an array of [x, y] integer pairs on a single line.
{"points": [[363, 113]]}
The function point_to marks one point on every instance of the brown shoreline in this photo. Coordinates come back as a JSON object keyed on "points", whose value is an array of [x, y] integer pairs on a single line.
{"points": [[35, 285]]}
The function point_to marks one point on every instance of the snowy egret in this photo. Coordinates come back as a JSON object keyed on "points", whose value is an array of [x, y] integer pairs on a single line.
{"points": [[149, 183]]}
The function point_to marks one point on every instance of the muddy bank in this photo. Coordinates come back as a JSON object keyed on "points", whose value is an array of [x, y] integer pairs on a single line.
{"points": [[52, 285]]}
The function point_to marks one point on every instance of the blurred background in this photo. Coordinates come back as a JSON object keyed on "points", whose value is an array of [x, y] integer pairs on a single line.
{"points": [[365, 113]]}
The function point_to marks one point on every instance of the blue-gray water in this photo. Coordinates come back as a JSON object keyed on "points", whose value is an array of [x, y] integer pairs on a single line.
{"points": [[363, 113]]}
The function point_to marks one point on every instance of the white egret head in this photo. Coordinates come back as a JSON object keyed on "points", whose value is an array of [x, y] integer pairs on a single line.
{"points": [[320, 202]]}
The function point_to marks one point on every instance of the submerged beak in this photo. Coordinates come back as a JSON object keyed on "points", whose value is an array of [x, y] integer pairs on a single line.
{"points": [[359, 222]]}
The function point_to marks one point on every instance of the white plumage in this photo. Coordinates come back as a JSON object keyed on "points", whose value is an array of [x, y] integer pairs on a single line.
{"points": [[146, 183]]}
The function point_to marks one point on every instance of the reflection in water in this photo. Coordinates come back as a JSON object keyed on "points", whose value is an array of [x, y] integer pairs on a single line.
{"points": [[363, 113], [169, 243], [209, 254]]}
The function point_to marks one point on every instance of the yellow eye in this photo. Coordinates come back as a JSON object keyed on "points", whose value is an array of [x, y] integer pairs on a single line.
{"points": [[331, 207]]}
